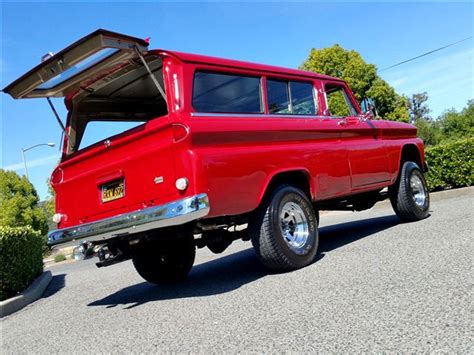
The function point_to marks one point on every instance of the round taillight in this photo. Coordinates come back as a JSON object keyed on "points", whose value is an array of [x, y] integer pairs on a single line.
{"points": [[182, 184], [57, 176], [57, 217]]}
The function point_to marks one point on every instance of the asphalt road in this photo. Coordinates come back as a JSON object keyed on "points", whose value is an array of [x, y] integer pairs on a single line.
{"points": [[377, 286]]}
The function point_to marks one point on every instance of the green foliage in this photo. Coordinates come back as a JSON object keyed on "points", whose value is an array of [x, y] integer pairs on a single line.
{"points": [[21, 259], [337, 104], [429, 131], [457, 125], [450, 165], [418, 107], [19, 203], [449, 127], [50, 206], [59, 257], [361, 77]]}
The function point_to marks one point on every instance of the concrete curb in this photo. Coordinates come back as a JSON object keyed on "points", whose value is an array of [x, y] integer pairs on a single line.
{"points": [[31, 294], [438, 195]]}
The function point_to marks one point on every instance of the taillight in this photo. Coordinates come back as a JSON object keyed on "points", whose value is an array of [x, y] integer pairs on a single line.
{"points": [[57, 176]]}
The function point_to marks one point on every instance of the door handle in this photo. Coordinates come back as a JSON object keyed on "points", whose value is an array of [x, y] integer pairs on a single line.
{"points": [[346, 121]]}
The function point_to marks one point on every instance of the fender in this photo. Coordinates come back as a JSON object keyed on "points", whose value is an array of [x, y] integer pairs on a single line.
{"points": [[281, 172]]}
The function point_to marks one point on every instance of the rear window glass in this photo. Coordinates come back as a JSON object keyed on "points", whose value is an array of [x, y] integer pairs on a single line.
{"points": [[228, 93], [97, 131], [78, 68], [290, 97]]}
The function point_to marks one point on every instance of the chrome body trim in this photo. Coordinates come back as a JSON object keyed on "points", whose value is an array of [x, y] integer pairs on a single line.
{"points": [[256, 115], [169, 214]]}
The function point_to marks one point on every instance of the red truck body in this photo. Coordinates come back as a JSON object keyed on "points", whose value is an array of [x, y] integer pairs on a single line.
{"points": [[231, 158]]}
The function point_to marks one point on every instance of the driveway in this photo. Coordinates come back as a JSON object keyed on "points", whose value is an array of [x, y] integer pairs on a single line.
{"points": [[378, 286]]}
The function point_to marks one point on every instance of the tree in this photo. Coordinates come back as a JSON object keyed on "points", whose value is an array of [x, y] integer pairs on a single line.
{"points": [[19, 203], [429, 131], [50, 206], [451, 125], [458, 125], [418, 107], [361, 77]]}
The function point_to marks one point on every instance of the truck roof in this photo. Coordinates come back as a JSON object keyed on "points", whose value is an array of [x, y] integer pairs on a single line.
{"points": [[238, 64]]}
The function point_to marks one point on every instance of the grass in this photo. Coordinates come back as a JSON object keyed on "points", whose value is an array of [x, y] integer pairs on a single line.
{"points": [[59, 257]]}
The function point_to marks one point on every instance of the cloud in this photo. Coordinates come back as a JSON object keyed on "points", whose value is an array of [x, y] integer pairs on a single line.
{"points": [[447, 78], [399, 81], [415, 77], [33, 163]]}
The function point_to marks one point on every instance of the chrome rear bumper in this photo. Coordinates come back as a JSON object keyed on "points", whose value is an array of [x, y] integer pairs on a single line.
{"points": [[166, 215]]}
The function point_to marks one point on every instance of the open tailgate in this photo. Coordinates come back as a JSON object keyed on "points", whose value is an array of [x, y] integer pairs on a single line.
{"points": [[74, 66]]}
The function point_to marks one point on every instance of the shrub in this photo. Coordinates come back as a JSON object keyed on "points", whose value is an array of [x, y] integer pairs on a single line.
{"points": [[59, 257], [21, 259], [450, 165]]}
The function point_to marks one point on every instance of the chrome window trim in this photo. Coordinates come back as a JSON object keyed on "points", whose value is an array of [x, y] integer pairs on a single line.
{"points": [[256, 115]]}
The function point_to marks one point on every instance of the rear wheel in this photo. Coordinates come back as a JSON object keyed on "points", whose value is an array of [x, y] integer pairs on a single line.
{"points": [[166, 261], [409, 195], [284, 230]]}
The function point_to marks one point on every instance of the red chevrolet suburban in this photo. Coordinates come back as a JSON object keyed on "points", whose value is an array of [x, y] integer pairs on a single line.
{"points": [[165, 151]]}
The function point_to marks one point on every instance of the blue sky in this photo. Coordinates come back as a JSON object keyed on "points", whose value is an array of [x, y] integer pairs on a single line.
{"points": [[273, 33]]}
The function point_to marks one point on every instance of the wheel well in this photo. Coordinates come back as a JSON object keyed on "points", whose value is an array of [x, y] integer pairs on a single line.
{"points": [[410, 153], [298, 179]]}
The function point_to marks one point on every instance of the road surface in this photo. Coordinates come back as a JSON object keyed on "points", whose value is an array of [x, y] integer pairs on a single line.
{"points": [[377, 286]]}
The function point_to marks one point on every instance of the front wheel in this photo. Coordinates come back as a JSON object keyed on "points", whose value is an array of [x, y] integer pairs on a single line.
{"points": [[409, 195], [284, 230], [166, 261]]}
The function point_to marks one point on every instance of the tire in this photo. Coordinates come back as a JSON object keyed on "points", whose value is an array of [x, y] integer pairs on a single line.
{"points": [[273, 230], [166, 261], [409, 195]]}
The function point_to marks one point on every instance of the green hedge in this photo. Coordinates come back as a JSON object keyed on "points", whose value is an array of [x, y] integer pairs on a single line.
{"points": [[450, 165], [21, 259]]}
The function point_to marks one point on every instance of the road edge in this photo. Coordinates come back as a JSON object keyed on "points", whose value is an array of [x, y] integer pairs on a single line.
{"points": [[31, 294], [438, 195]]}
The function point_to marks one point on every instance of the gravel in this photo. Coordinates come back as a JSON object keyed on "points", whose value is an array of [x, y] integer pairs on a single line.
{"points": [[377, 286]]}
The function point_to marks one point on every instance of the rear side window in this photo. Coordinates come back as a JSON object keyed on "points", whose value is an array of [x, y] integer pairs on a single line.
{"points": [[228, 93], [290, 97], [278, 96], [302, 99]]}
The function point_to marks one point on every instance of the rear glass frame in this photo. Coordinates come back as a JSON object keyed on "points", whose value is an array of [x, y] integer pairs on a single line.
{"points": [[231, 73]]}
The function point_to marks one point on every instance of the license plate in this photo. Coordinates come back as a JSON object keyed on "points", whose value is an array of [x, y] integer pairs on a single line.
{"points": [[113, 191]]}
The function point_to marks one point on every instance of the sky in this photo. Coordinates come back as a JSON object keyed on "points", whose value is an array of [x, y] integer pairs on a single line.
{"points": [[282, 34]]}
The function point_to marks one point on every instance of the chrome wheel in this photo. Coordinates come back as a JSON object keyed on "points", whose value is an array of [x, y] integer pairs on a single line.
{"points": [[418, 190], [294, 227]]}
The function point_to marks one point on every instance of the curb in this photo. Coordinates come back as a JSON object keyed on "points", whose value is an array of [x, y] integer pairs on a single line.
{"points": [[438, 196], [31, 294]]}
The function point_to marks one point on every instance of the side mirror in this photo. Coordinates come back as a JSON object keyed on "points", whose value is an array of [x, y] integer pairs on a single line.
{"points": [[368, 107]]}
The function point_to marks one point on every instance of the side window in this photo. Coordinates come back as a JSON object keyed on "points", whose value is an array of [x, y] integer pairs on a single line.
{"points": [[227, 93], [338, 102], [277, 94], [292, 97], [302, 100]]}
